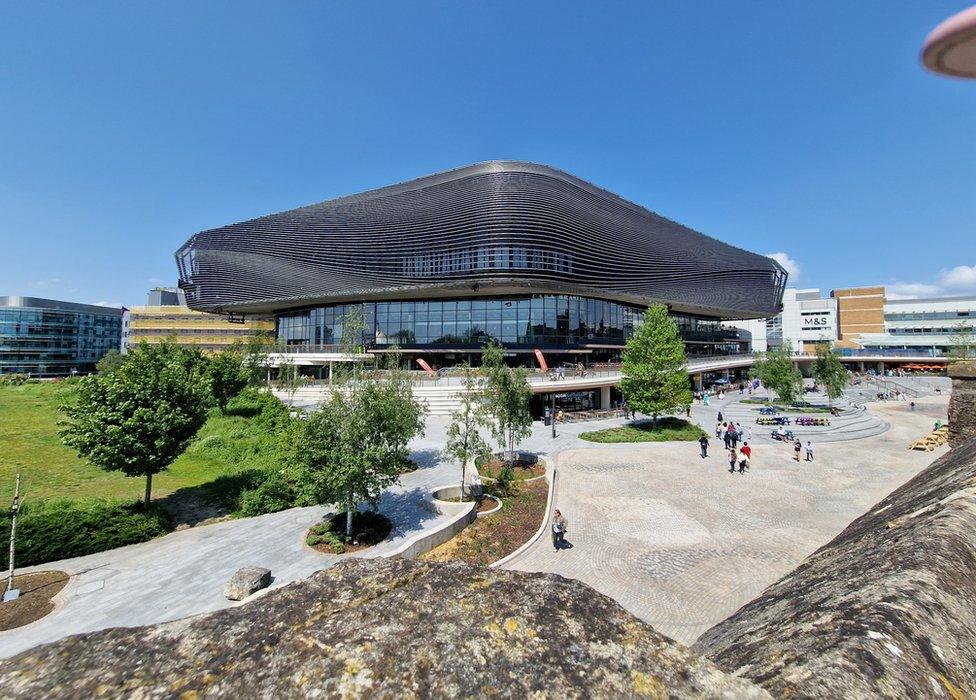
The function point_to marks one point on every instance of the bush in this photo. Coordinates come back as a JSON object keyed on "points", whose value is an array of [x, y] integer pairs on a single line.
{"points": [[251, 403], [275, 493], [14, 379], [48, 531]]}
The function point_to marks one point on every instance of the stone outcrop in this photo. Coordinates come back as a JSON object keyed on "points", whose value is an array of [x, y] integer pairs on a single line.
{"points": [[246, 581], [385, 629], [887, 609], [962, 405]]}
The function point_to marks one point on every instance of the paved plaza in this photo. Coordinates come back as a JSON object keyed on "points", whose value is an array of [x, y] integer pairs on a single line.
{"points": [[682, 543], [676, 540]]}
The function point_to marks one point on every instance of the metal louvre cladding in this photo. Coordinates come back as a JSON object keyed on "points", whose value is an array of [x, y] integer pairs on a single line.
{"points": [[491, 228]]}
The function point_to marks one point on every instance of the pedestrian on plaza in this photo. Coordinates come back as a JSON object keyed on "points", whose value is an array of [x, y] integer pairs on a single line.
{"points": [[797, 446], [912, 405], [703, 443], [726, 438], [809, 449], [559, 528], [707, 400], [733, 435], [745, 454], [749, 431], [733, 460], [720, 417], [718, 430], [688, 411]]}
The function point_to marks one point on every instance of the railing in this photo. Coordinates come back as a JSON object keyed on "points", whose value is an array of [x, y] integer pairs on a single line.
{"points": [[890, 352]]}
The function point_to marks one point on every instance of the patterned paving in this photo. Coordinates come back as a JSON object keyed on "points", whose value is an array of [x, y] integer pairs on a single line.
{"points": [[682, 543]]}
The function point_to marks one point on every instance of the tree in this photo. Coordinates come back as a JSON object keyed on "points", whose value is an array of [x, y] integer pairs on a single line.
{"points": [[829, 372], [348, 452], [255, 352], [655, 376], [398, 416], [141, 417], [505, 401], [289, 379], [110, 362], [775, 369], [464, 441], [227, 374], [963, 344]]}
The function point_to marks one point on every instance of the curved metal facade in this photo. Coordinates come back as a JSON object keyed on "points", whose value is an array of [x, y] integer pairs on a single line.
{"points": [[491, 228]]}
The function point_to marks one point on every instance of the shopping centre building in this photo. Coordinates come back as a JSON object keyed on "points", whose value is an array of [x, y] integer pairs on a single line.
{"points": [[525, 254]]}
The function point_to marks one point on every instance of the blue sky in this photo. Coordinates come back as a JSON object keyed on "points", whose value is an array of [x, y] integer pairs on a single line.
{"points": [[807, 129]]}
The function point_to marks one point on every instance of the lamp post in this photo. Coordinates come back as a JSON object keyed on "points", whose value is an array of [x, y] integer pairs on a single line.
{"points": [[554, 415], [12, 593]]}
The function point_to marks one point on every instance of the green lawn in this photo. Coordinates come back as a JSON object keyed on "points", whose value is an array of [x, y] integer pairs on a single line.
{"points": [[668, 429], [29, 444]]}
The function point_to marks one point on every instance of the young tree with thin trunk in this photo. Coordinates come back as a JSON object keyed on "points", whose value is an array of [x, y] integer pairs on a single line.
{"points": [[464, 441], [140, 417], [289, 379], [962, 343], [829, 372], [776, 370], [655, 375], [505, 399]]}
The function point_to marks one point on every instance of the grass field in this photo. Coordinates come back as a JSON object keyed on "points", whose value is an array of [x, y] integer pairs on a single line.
{"points": [[668, 429], [29, 444]]}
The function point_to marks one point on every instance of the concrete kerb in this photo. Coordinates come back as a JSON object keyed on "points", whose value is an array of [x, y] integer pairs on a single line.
{"points": [[551, 475], [426, 541]]}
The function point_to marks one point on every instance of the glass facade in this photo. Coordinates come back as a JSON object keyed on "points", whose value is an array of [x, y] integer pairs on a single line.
{"points": [[55, 340], [555, 321]]}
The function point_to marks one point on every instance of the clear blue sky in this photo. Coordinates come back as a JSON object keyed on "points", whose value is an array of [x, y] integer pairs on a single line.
{"points": [[808, 129]]}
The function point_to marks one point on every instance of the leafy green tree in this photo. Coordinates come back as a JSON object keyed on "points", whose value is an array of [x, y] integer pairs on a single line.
{"points": [[141, 417], [347, 455], [255, 352], [505, 400], [775, 369], [464, 441], [227, 374], [289, 379], [399, 417], [110, 362], [655, 376], [963, 344], [829, 372]]}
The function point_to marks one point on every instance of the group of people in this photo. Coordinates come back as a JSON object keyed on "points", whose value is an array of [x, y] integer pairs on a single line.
{"points": [[731, 433]]}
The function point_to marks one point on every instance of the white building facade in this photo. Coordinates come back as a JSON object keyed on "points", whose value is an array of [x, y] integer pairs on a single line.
{"points": [[933, 326], [807, 319]]}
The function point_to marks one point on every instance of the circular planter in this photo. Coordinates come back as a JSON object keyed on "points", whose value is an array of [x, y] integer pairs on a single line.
{"points": [[498, 506]]}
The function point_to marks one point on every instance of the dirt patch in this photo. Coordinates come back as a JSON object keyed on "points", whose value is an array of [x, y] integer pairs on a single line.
{"points": [[329, 536], [36, 592], [523, 468], [497, 535]]}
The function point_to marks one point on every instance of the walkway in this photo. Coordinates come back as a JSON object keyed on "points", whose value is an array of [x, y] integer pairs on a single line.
{"points": [[682, 544], [184, 572]]}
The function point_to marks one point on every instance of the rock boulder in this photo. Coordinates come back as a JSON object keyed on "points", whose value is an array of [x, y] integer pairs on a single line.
{"points": [[385, 629], [246, 581]]}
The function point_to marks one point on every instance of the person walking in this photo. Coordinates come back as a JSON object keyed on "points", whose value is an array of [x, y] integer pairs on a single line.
{"points": [[703, 443], [733, 459], [559, 528], [809, 448], [749, 430], [796, 449], [720, 416], [726, 437], [745, 455], [733, 435]]}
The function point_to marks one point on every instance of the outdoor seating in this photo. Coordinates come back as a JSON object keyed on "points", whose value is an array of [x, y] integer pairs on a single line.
{"points": [[773, 420], [787, 436], [936, 438], [807, 421], [769, 410]]}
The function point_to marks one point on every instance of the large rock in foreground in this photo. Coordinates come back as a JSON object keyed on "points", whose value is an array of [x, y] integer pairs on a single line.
{"points": [[887, 609], [393, 628]]}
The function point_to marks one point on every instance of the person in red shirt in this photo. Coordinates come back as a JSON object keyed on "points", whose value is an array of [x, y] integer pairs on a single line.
{"points": [[746, 454]]}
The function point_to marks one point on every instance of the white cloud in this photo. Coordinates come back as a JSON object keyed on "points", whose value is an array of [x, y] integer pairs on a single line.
{"points": [[44, 284], [959, 280], [962, 277], [109, 304], [910, 290], [791, 266]]}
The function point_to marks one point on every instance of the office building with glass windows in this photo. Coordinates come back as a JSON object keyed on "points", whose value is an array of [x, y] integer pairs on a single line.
{"points": [[524, 254], [49, 338]]}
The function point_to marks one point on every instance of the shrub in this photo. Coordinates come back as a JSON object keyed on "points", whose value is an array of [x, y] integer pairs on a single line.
{"points": [[48, 531], [251, 403], [14, 379], [275, 493]]}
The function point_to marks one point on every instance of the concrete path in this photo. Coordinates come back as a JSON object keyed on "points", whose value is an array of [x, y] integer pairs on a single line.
{"points": [[682, 543], [184, 572]]}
